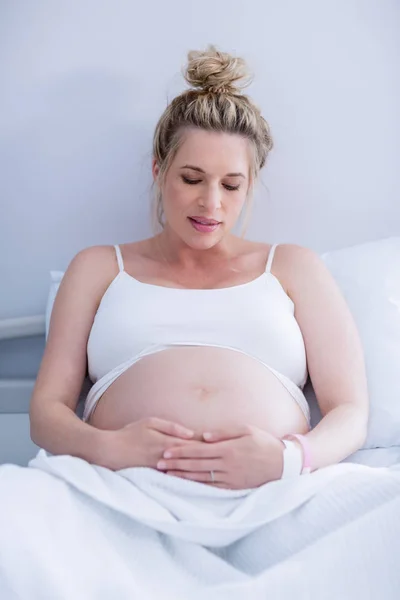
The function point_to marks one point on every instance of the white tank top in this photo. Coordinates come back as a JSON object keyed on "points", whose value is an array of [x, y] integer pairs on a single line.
{"points": [[135, 319]]}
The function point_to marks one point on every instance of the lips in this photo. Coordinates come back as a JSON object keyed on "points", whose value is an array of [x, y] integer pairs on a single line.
{"points": [[203, 221]]}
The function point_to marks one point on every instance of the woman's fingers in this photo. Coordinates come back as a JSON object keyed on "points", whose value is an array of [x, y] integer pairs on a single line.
{"points": [[195, 450], [169, 427], [227, 433]]}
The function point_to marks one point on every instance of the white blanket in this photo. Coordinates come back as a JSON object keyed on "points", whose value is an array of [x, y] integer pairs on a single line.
{"points": [[75, 531]]}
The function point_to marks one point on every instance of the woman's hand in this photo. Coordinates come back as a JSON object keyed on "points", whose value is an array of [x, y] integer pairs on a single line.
{"points": [[142, 443], [241, 457]]}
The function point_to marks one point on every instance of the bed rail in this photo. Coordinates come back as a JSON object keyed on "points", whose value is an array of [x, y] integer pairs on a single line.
{"points": [[22, 327]]}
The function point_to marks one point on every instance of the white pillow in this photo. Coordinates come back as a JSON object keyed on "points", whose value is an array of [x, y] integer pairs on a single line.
{"points": [[369, 277]]}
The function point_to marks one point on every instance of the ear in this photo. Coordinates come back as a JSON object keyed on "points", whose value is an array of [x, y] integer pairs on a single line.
{"points": [[155, 169]]}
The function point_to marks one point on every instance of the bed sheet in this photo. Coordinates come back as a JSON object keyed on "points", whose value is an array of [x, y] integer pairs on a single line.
{"points": [[376, 457]]}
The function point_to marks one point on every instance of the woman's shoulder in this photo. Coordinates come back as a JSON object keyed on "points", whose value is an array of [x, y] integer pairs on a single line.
{"points": [[296, 256], [286, 254], [300, 268], [290, 262], [90, 257], [93, 253], [97, 265]]}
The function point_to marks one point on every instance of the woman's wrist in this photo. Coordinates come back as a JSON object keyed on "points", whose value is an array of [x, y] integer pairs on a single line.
{"points": [[282, 459], [303, 449], [114, 452], [292, 459], [103, 449]]}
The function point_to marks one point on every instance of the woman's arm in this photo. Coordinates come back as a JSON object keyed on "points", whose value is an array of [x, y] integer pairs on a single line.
{"points": [[334, 356], [53, 423], [57, 429]]}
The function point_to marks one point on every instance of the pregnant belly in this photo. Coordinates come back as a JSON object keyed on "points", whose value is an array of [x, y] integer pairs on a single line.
{"points": [[200, 387]]}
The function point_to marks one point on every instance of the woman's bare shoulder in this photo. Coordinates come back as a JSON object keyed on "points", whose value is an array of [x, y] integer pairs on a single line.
{"points": [[284, 250], [300, 268], [290, 262], [292, 257], [97, 262], [94, 253], [93, 268]]}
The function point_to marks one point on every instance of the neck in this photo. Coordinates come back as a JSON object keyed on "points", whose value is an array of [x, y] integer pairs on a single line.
{"points": [[178, 253]]}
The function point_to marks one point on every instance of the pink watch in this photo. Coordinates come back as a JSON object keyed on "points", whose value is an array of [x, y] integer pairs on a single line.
{"points": [[306, 450]]}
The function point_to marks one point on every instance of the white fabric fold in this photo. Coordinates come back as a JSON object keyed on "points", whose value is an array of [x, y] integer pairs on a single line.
{"points": [[70, 529]]}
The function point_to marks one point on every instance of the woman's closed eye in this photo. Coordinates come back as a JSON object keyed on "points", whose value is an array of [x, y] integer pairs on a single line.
{"points": [[228, 187], [190, 181]]}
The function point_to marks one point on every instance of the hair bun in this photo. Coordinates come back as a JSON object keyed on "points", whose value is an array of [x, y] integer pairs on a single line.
{"points": [[216, 72]]}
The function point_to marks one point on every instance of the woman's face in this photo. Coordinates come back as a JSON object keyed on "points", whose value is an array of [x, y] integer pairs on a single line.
{"points": [[208, 179]]}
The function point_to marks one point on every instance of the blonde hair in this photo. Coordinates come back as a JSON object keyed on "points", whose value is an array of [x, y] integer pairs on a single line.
{"points": [[214, 102]]}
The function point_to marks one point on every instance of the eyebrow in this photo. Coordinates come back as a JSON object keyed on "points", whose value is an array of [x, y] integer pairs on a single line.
{"points": [[201, 171]]}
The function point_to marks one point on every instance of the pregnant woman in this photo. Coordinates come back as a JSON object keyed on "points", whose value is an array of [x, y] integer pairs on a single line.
{"points": [[197, 331], [194, 472]]}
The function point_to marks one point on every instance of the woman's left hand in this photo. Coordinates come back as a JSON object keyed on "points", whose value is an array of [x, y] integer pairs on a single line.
{"points": [[241, 457]]}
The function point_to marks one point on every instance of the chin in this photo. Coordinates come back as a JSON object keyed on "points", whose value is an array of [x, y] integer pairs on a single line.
{"points": [[198, 240], [206, 240]]}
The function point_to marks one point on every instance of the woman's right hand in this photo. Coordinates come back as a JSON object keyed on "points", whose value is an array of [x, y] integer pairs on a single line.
{"points": [[142, 443]]}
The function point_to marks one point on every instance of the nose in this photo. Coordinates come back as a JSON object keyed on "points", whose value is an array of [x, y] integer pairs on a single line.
{"points": [[211, 198]]}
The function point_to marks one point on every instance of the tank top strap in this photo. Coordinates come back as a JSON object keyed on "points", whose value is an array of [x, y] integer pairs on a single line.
{"points": [[270, 258], [119, 257]]}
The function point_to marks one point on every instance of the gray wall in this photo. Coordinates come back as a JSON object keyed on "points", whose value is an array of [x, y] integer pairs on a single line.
{"points": [[83, 83]]}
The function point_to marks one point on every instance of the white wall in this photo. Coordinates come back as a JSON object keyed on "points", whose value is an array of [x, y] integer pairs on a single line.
{"points": [[84, 81]]}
